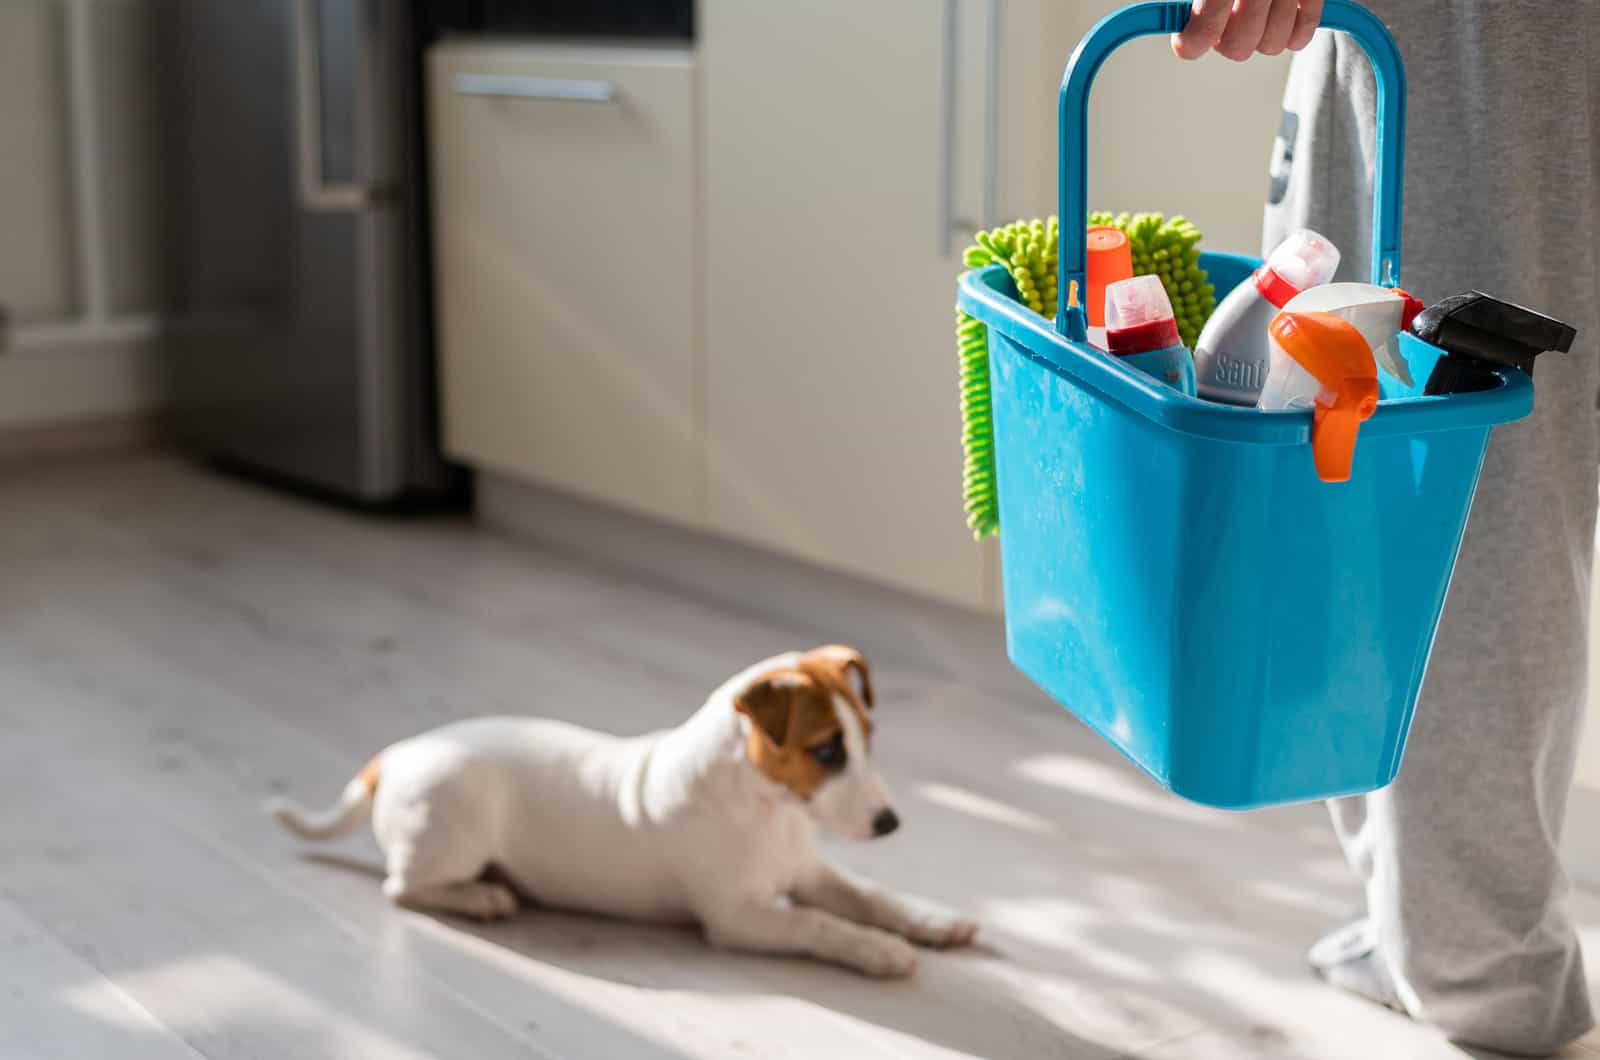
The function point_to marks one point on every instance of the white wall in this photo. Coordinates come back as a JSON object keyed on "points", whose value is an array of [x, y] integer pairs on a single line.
{"points": [[38, 250]]}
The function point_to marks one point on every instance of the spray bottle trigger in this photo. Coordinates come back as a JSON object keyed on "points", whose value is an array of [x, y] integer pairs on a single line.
{"points": [[1335, 428]]}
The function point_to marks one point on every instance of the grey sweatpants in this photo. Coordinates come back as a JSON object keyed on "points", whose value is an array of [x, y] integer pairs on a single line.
{"points": [[1502, 193]]}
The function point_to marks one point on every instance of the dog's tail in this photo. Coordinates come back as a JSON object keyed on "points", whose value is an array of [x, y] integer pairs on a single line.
{"points": [[340, 818]]}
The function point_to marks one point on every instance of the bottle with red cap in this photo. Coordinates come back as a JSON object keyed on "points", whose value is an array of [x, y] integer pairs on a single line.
{"points": [[1142, 330], [1233, 351]]}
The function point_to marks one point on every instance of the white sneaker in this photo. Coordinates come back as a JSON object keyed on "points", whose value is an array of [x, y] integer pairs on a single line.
{"points": [[1348, 959]]}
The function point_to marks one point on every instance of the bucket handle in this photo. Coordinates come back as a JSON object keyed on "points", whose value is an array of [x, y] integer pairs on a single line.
{"points": [[1170, 16]]}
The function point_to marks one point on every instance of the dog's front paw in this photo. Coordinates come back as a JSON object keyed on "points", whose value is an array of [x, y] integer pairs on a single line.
{"points": [[487, 901], [937, 927], [883, 955]]}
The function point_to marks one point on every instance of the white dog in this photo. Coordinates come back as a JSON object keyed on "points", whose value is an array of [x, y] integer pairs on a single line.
{"points": [[713, 821]]}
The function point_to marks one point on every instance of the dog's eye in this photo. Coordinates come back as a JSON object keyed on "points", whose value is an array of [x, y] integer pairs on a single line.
{"points": [[831, 755]]}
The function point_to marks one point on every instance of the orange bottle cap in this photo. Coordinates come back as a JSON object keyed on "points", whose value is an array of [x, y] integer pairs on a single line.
{"points": [[1338, 357], [1110, 260]]}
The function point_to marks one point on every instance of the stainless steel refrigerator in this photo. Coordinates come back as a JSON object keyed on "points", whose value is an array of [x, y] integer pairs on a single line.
{"points": [[297, 270]]}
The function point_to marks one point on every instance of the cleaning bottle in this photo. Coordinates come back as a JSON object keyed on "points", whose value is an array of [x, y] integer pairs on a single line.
{"points": [[1379, 313], [1110, 260], [1232, 352], [1141, 330], [1322, 361]]}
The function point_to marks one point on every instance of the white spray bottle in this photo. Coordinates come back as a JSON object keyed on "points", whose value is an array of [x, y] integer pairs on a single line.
{"points": [[1323, 362], [1379, 313]]}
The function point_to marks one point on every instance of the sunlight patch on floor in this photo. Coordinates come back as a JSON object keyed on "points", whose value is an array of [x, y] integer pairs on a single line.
{"points": [[225, 991], [1117, 784], [986, 809]]}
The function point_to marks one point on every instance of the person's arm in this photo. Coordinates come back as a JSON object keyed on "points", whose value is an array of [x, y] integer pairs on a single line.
{"points": [[1238, 29]]}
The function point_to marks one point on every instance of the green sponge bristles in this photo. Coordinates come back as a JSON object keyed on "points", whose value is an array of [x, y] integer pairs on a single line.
{"points": [[977, 434], [1030, 251], [1169, 249]]}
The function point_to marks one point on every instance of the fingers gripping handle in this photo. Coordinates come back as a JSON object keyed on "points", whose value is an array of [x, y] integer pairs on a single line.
{"points": [[1162, 17]]}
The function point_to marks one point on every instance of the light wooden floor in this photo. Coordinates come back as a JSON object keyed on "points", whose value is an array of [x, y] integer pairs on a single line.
{"points": [[175, 646]]}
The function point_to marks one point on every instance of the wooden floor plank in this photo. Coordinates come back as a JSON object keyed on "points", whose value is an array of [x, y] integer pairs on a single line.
{"points": [[55, 1006], [231, 964]]}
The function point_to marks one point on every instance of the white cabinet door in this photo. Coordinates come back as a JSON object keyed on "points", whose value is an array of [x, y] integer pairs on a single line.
{"points": [[564, 226], [832, 419]]}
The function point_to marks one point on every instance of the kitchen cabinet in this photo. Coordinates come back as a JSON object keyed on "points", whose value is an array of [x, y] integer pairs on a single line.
{"points": [[723, 295], [564, 213], [851, 149]]}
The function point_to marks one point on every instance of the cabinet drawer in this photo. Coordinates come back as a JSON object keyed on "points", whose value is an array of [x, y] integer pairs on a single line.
{"points": [[564, 248]]}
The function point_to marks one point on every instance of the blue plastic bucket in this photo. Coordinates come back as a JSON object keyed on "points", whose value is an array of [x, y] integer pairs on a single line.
{"points": [[1175, 572]]}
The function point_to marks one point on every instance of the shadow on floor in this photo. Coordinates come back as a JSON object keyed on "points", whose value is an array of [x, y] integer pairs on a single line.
{"points": [[1004, 999]]}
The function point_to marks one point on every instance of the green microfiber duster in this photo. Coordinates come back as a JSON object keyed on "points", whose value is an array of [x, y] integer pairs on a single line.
{"points": [[1030, 251]]}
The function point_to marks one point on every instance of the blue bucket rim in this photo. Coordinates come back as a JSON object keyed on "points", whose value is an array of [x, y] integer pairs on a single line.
{"points": [[984, 294]]}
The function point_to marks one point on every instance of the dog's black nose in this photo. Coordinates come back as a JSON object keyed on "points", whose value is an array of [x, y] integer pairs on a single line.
{"points": [[885, 822]]}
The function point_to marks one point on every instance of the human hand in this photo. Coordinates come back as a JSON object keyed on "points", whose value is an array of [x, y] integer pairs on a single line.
{"points": [[1238, 29]]}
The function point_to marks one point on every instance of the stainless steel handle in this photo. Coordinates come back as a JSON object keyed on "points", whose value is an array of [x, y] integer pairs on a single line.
{"points": [[947, 127], [991, 118], [316, 192], [949, 87], [558, 89]]}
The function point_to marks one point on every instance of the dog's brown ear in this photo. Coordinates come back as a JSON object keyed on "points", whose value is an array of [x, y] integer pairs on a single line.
{"points": [[852, 667], [769, 702]]}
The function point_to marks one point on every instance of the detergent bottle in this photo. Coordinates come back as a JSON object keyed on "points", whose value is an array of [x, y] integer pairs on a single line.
{"points": [[1232, 351], [1110, 260], [1379, 313], [1322, 361], [1141, 330]]}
